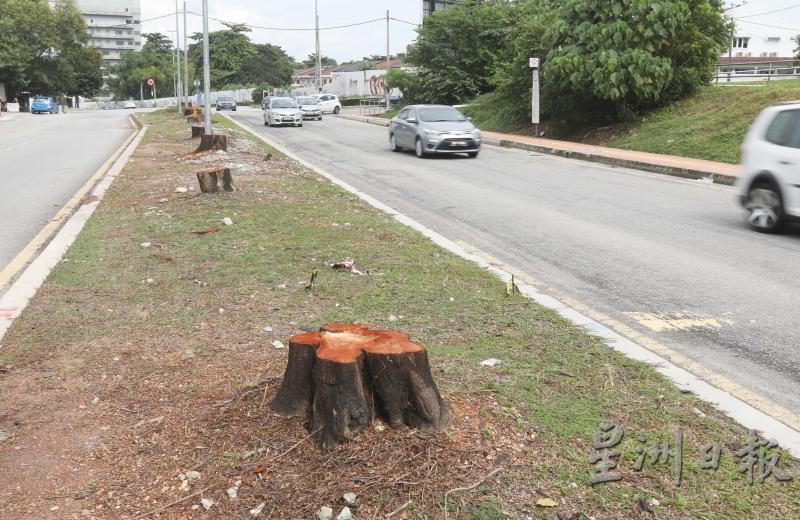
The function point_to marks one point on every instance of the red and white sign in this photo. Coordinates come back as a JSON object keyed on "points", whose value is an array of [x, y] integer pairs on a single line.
{"points": [[150, 82]]}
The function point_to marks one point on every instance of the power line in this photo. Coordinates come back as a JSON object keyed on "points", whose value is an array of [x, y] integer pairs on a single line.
{"points": [[769, 12], [770, 26], [293, 28], [399, 20]]}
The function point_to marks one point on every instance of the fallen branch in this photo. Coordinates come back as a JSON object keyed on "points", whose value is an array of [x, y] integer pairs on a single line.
{"points": [[467, 488], [404, 506], [173, 503]]}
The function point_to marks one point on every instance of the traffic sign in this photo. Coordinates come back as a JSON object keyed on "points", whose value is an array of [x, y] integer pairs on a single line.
{"points": [[150, 82]]}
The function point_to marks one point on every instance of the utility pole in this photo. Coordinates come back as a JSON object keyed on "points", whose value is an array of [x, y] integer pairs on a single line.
{"points": [[318, 74], [388, 63], [175, 77], [206, 71], [731, 7], [185, 58], [178, 89]]}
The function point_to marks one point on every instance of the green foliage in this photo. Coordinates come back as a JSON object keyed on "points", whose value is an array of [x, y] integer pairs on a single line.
{"points": [[154, 61], [42, 49], [229, 49], [458, 49], [311, 61], [270, 65]]}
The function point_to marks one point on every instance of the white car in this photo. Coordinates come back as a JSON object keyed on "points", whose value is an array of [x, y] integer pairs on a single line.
{"points": [[329, 103], [129, 104], [282, 111], [769, 186]]}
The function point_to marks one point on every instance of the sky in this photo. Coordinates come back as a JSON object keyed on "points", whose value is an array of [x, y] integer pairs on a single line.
{"points": [[340, 44]]}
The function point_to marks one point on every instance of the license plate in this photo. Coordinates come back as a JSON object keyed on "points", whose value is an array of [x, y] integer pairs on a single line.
{"points": [[459, 143]]}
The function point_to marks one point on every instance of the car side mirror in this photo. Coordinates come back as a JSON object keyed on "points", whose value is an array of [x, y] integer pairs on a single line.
{"points": [[412, 120]]}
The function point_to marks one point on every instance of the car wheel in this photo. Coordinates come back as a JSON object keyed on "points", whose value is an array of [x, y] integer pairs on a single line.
{"points": [[300, 125], [393, 143], [472, 155], [336, 110], [420, 151], [764, 208], [266, 123]]}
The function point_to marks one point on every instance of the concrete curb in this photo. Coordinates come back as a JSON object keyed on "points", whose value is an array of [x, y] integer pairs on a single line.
{"points": [[742, 412], [685, 173], [14, 301]]}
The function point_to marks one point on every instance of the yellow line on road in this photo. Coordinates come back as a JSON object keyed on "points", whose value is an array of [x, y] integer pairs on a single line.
{"points": [[24, 257]]}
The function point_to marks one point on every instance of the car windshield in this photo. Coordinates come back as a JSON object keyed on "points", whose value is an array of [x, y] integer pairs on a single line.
{"points": [[440, 114], [306, 101], [283, 103], [226, 99], [41, 98]]}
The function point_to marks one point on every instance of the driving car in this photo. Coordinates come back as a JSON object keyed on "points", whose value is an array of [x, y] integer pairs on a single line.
{"points": [[282, 111], [44, 105], [226, 103], [129, 104], [434, 129], [329, 103], [309, 107], [769, 185]]}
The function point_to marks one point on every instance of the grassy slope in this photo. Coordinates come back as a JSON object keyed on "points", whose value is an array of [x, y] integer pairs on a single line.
{"points": [[555, 385], [708, 125]]}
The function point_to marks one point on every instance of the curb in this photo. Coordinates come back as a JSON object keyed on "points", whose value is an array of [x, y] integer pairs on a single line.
{"points": [[14, 301], [740, 411], [685, 173]]}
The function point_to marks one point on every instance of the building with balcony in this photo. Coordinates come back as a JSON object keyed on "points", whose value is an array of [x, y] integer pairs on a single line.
{"points": [[115, 27], [431, 6]]}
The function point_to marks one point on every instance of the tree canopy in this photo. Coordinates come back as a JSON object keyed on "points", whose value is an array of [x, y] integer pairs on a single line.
{"points": [[155, 60], [43, 49]]}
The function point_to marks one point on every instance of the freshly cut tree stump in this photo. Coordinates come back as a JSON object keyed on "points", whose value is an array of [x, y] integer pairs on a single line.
{"points": [[209, 180], [197, 131], [344, 376], [212, 142]]}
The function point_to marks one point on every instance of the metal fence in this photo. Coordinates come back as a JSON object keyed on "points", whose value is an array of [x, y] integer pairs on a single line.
{"points": [[757, 71], [372, 106]]}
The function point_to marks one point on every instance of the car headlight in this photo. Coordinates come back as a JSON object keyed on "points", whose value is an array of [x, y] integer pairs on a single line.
{"points": [[476, 134], [433, 132]]}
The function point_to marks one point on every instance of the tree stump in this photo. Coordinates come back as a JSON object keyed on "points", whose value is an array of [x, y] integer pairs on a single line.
{"points": [[197, 131], [212, 142], [344, 376], [209, 180]]}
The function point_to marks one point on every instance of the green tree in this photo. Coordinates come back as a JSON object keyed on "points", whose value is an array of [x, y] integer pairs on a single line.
{"points": [[229, 49], [311, 61], [270, 65], [154, 61]]}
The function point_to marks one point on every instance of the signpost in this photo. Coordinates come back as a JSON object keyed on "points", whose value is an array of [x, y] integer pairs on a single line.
{"points": [[152, 84], [534, 65]]}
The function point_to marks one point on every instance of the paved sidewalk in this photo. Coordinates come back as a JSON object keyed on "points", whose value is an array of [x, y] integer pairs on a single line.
{"points": [[721, 173]]}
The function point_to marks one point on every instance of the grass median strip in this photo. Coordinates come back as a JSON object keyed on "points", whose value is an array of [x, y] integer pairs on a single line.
{"points": [[146, 363]]}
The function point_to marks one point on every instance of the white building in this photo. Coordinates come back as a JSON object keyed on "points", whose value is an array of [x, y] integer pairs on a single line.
{"points": [[761, 46], [115, 27]]}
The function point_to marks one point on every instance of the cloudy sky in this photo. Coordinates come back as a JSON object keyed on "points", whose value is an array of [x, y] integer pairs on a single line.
{"points": [[340, 44]]}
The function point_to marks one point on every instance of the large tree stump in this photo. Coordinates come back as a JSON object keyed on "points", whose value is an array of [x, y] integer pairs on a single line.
{"points": [[209, 180], [212, 142], [197, 131], [344, 376]]}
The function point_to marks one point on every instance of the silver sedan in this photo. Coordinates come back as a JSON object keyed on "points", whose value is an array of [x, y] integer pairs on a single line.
{"points": [[434, 129]]}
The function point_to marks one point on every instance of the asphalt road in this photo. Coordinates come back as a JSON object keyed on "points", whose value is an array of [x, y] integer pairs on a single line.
{"points": [[652, 256], [44, 161]]}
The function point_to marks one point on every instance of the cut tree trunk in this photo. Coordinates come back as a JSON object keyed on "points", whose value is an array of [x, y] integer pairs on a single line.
{"points": [[346, 375], [197, 131], [212, 142], [209, 180]]}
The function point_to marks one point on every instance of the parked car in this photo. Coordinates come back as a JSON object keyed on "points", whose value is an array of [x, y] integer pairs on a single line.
{"points": [[769, 185], [44, 105], [434, 129], [226, 103], [282, 111], [329, 103], [129, 104], [265, 102], [309, 107]]}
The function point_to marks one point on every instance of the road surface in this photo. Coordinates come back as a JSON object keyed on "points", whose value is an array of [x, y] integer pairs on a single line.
{"points": [[45, 159], [655, 257]]}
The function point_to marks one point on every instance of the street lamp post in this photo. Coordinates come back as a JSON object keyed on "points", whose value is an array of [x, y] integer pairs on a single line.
{"points": [[206, 71], [179, 81]]}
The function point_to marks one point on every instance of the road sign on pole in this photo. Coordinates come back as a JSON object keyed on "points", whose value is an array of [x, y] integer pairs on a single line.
{"points": [[151, 82], [534, 64]]}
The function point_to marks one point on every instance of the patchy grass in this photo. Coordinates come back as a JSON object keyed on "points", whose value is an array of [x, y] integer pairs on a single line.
{"points": [[710, 124], [135, 365]]}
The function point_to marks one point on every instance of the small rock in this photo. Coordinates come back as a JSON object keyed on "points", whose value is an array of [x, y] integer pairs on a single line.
{"points": [[491, 362], [149, 281], [54, 508], [267, 329], [145, 244], [95, 400], [227, 221], [573, 485], [392, 317], [193, 475], [184, 486], [258, 509], [324, 513], [163, 200], [278, 344], [345, 514], [181, 189], [350, 498], [452, 299], [282, 286], [379, 428], [654, 502], [546, 502], [233, 492], [4, 436], [221, 310], [699, 413], [207, 503]]}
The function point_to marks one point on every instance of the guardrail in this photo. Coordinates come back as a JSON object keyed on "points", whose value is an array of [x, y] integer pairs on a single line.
{"points": [[757, 71], [372, 106]]}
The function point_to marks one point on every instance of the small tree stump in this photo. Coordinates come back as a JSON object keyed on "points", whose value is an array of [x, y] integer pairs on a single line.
{"points": [[197, 131], [209, 180], [195, 120], [212, 142], [346, 375]]}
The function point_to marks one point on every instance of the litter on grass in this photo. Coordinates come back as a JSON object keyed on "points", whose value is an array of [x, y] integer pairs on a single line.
{"points": [[491, 362], [346, 265]]}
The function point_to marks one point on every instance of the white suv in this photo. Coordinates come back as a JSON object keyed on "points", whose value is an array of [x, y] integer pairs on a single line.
{"points": [[769, 187], [329, 103]]}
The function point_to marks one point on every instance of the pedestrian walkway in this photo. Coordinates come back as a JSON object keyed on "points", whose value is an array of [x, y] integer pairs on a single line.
{"points": [[721, 173]]}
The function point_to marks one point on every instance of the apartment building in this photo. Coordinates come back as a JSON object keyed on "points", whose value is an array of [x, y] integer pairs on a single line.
{"points": [[115, 27], [431, 6]]}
